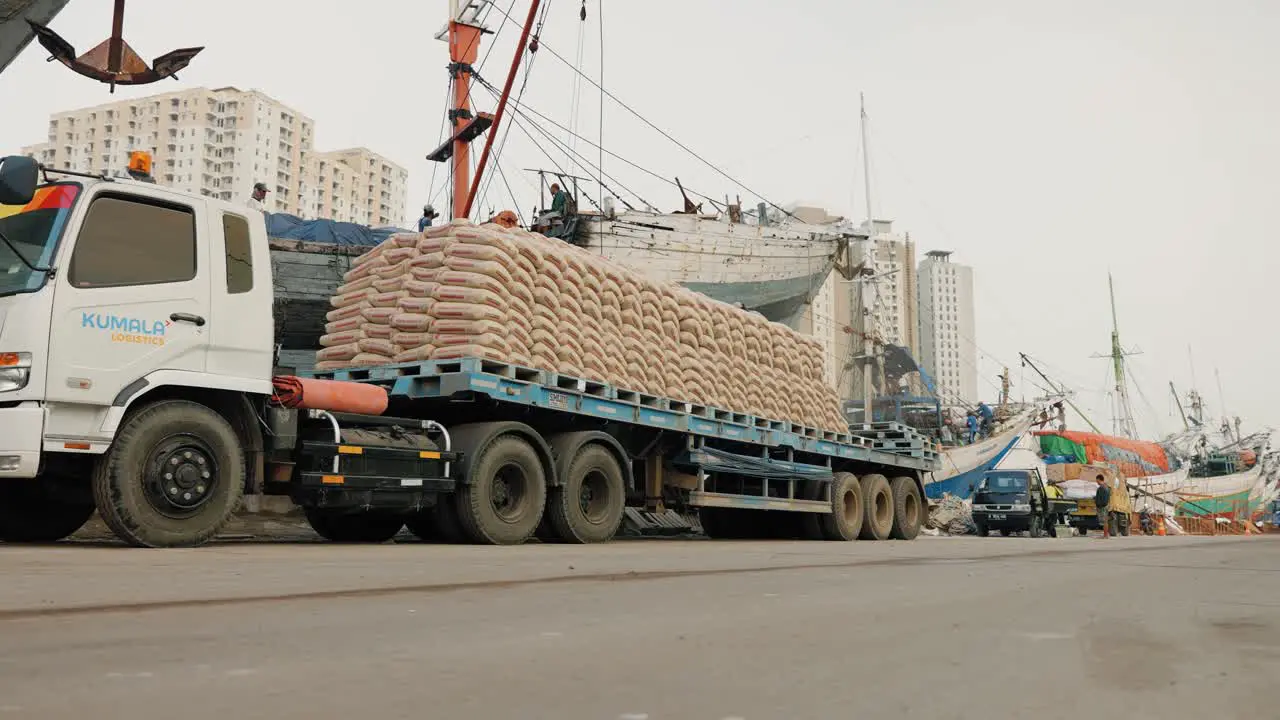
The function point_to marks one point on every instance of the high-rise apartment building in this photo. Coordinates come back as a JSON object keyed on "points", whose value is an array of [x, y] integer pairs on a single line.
{"points": [[948, 350], [220, 143]]}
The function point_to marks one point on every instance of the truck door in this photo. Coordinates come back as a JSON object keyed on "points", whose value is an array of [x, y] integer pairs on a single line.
{"points": [[241, 327], [132, 296]]}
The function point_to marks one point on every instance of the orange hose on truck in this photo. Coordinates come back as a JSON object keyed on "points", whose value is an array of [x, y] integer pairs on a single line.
{"points": [[332, 395]]}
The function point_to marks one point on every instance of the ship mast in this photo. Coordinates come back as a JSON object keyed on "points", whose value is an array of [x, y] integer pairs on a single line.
{"points": [[1123, 424], [868, 321], [463, 35]]}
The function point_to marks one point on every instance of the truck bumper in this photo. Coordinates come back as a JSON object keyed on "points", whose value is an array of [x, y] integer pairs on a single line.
{"points": [[1004, 520], [21, 432]]}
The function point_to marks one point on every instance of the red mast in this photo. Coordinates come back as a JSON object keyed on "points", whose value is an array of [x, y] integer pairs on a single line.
{"points": [[463, 35]]}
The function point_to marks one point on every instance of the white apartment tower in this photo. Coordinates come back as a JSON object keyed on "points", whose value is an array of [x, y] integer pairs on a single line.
{"points": [[219, 143], [947, 331]]}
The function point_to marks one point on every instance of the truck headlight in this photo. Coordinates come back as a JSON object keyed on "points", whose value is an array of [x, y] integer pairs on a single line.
{"points": [[15, 370], [1021, 508]]}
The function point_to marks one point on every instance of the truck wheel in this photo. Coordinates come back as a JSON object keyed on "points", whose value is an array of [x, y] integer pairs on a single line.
{"points": [[503, 501], [982, 528], [1033, 529], [877, 498], [29, 515], [587, 507], [344, 526], [908, 511], [172, 478], [1123, 521], [848, 509]]}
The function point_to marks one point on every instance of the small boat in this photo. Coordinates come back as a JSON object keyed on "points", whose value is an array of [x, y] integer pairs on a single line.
{"points": [[963, 466]]}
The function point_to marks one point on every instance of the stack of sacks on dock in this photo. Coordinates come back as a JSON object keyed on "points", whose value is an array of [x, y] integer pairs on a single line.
{"points": [[505, 294]]}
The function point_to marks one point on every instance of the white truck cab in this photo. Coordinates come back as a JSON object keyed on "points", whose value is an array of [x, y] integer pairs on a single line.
{"points": [[115, 292]]}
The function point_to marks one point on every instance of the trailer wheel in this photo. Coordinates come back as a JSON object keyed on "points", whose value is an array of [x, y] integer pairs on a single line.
{"points": [[587, 507], [344, 526], [848, 509], [877, 498], [908, 510], [29, 515], [172, 478], [503, 502]]}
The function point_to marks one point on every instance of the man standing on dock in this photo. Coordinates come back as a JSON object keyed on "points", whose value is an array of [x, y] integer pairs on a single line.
{"points": [[1101, 499]]}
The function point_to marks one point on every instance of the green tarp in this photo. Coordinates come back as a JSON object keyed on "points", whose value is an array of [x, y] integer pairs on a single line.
{"points": [[1058, 445]]}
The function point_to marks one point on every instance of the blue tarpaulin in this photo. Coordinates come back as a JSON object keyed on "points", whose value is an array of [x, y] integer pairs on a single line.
{"points": [[290, 227]]}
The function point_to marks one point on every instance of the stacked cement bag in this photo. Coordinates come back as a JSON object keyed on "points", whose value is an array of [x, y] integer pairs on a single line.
{"points": [[505, 294]]}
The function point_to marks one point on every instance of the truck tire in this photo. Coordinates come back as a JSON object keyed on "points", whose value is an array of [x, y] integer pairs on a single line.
{"points": [[908, 509], [344, 526], [503, 500], [848, 509], [1123, 521], [877, 498], [173, 477], [587, 506], [29, 515], [981, 527]]}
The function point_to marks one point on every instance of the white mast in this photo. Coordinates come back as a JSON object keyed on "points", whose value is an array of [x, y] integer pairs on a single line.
{"points": [[868, 322]]}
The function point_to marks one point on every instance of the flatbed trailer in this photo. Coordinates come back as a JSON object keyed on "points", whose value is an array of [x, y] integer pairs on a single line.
{"points": [[664, 452]]}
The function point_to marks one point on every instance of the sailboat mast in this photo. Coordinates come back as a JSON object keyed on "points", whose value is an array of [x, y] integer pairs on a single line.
{"points": [[1178, 401], [1124, 412], [866, 161], [868, 348]]}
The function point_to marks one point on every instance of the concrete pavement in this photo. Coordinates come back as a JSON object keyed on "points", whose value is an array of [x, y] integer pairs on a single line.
{"points": [[936, 628]]}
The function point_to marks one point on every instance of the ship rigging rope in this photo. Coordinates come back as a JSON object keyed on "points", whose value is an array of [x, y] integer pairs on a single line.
{"points": [[559, 144], [575, 103], [614, 155], [646, 121]]}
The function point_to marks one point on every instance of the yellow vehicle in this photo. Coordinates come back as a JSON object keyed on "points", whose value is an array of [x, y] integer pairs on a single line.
{"points": [[1085, 517]]}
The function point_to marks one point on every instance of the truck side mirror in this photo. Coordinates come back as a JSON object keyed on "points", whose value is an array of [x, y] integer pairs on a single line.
{"points": [[18, 179]]}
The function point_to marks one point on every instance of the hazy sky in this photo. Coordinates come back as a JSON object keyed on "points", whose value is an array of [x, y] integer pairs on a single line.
{"points": [[1046, 147]]}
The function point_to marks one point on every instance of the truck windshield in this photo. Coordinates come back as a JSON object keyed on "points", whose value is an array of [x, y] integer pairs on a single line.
{"points": [[33, 231], [1004, 483]]}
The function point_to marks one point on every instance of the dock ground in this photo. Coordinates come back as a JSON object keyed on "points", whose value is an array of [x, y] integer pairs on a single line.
{"points": [[648, 629]]}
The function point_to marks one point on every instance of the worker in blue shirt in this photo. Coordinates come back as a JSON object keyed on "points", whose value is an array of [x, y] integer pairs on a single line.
{"points": [[428, 214], [971, 422], [988, 418]]}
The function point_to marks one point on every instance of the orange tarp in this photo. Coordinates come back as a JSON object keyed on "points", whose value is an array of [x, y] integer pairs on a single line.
{"points": [[1133, 458]]}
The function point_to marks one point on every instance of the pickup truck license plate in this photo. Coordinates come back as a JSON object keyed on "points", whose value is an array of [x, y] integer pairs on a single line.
{"points": [[998, 516]]}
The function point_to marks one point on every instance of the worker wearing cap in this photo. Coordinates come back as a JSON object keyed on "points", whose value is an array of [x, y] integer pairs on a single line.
{"points": [[428, 215], [259, 194]]}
